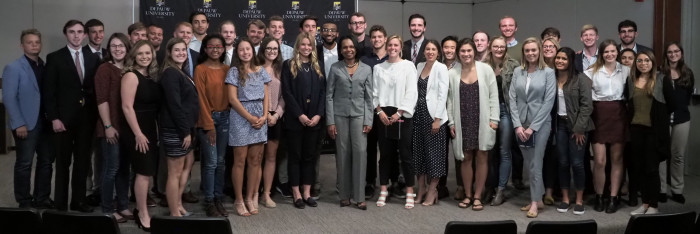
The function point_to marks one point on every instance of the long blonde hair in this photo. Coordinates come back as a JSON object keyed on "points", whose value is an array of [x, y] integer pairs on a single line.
{"points": [[540, 60], [295, 61], [130, 64]]}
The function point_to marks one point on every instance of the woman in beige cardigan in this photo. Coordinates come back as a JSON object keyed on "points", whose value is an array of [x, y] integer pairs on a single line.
{"points": [[461, 102]]}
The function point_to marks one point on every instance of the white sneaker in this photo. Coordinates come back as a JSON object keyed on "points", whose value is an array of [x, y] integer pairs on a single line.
{"points": [[652, 210], [639, 211]]}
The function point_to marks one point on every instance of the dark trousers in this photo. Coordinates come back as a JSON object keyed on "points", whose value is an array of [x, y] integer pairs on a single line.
{"points": [[39, 141], [73, 146], [645, 165], [550, 165], [391, 150], [518, 160], [302, 156], [571, 158], [371, 172], [115, 177]]}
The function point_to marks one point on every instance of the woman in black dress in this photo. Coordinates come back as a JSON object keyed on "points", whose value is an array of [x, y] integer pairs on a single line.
{"points": [[140, 102]]}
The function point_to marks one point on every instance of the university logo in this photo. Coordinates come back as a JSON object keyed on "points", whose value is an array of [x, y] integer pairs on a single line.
{"points": [[160, 2], [206, 4], [252, 4], [336, 6], [295, 5]]}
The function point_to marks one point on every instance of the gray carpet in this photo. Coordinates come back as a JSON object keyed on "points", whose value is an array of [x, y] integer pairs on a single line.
{"points": [[328, 217]]}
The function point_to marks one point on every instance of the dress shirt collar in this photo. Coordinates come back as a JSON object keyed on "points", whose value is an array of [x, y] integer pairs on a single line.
{"points": [[512, 43]]}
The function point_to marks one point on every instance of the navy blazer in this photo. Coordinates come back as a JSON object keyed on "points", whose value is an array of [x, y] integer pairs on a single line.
{"points": [[296, 104], [420, 57], [181, 102], [86, 49], [63, 93], [21, 94]]}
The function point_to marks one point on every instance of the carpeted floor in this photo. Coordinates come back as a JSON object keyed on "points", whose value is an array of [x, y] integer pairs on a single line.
{"points": [[328, 217]]}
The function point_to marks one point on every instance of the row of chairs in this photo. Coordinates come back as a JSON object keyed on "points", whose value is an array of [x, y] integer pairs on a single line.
{"points": [[30, 221], [678, 223]]}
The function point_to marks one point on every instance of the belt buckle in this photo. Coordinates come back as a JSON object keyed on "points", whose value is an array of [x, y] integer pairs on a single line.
{"points": [[308, 100]]}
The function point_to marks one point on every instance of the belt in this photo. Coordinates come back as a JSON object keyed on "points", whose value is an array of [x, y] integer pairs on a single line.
{"points": [[563, 117]]}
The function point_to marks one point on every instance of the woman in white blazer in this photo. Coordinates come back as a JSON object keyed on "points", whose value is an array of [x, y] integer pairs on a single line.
{"points": [[472, 105], [429, 118]]}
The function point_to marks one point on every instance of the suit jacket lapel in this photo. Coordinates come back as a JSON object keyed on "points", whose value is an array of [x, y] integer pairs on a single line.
{"points": [[71, 63], [30, 72]]}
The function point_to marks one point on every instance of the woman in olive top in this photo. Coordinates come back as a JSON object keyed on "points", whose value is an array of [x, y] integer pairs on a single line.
{"points": [[349, 118], [573, 108], [532, 95], [647, 94], [503, 66], [674, 68], [270, 56], [212, 126], [472, 105]]}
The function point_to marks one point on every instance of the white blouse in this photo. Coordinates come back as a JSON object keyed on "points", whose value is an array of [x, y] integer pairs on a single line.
{"points": [[395, 86], [608, 86]]}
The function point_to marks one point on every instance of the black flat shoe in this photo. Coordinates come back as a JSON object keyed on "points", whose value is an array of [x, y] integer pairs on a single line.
{"points": [[678, 198], [311, 202], [344, 203], [612, 205], [299, 204], [82, 207], [45, 204], [361, 205], [663, 198]]}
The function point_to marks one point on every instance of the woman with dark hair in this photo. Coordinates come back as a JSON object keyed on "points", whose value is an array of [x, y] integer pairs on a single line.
{"points": [[248, 95], [271, 59], [429, 124], [503, 66], [683, 82], [177, 122], [481, 40], [349, 118], [626, 57], [304, 92], [648, 95], [107, 93], [394, 99], [532, 95], [573, 108], [141, 98], [472, 105], [212, 126], [608, 81]]}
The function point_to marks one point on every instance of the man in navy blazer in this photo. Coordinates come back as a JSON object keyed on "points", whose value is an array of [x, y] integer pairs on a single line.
{"points": [[22, 98], [416, 24], [627, 31], [69, 101]]}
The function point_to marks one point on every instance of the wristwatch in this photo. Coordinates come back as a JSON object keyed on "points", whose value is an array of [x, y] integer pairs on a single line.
{"points": [[108, 126]]}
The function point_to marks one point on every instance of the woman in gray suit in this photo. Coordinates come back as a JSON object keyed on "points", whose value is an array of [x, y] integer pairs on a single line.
{"points": [[532, 94], [349, 118]]}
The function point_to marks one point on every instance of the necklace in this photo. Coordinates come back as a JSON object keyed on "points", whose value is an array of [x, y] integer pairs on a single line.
{"points": [[351, 65], [306, 69]]}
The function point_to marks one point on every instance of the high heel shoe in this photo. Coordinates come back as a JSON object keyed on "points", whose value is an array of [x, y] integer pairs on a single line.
{"points": [[431, 198], [139, 224], [241, 210], [251, 207]]}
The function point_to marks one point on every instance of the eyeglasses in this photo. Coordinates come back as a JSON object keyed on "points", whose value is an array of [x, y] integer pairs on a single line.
{"points": [[329, 30], [120, 46], [643, 61], [271, 49], [498, 47], [549, 47], [215, 47], [357, 22], [673, 51]]}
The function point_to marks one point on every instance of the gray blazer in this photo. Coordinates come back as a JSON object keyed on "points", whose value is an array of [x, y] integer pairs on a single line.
{"points": [[531, 110], [349, 96]]}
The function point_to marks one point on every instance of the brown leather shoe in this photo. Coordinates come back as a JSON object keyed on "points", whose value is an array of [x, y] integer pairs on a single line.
{"points": [[189, 198]]}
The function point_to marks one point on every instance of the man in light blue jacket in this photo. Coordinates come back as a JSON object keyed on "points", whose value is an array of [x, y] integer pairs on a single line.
{"points": [[22, 98]]}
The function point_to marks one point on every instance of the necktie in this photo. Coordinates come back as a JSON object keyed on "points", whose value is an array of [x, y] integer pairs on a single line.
{"points": [[415, 52], [227, 60], [78, 66], [99, 53]]}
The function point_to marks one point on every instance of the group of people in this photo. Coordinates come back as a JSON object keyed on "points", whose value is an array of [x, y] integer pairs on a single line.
{"points": [[494, 100]]}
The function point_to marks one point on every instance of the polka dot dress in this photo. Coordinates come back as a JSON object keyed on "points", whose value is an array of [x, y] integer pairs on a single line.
{"points": [[429, 150], [469, 111]]}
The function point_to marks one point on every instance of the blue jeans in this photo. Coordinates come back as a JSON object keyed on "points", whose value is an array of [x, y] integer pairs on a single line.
{"points": [[505, 133], [570, 156], [213, 166], [115, 176], [39, 142]]}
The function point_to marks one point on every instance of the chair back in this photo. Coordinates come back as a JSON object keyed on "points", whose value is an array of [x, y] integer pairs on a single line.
{"points": [[488, 227], [193, 225], [677, 223], [569, 227], [62, 222], [20, 220]]}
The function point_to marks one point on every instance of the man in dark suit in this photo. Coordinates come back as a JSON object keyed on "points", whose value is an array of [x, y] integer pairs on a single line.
{"points": [[627, 30], [413, 49], [69, 103], [22, 98], [96, 34]]}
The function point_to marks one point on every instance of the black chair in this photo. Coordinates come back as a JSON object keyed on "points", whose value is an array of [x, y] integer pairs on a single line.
{"points": [[20, 220], [185, 225], [568, 227], [488, 227], [697, 225], [678, 223], [62, 222]]}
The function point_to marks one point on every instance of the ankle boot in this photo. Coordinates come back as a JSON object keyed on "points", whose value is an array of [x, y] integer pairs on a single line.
{"points": [[598, 203], [498, 199], [612, 205]]}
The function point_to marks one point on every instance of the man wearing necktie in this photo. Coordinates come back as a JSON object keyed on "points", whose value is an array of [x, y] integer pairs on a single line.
{"points": [[96, 34], [69, 103], [414, 47]]}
